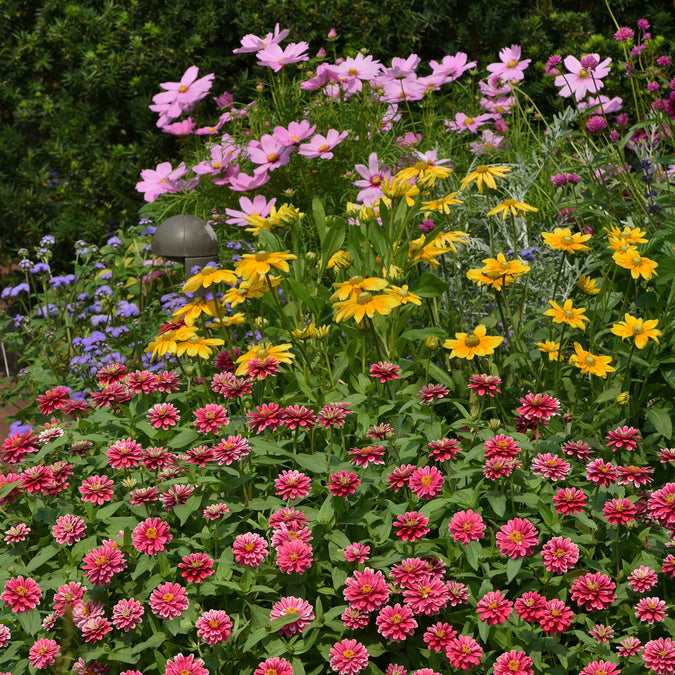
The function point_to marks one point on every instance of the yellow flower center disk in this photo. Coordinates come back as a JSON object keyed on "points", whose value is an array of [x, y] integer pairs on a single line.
{"points": [[471, 340], [589, 360], [366, 588], [375, 180], [567, 240], [396, 619], [512, 63], [348, 653], [262, 257], [516, 537], [636, 260], [363, 298], [638, 329], [272, 157], [569, 313], [213, 623], [151, 533], [425, 480], [168, 597]]}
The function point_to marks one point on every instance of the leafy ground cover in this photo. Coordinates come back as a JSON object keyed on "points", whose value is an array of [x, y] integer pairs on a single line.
{"points": [[416, 417]]}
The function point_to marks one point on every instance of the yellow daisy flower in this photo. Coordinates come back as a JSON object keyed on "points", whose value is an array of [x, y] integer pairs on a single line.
{"points": [[395, 188], [512, 206], [264, 350], [638, 265], [193, 310], [567, 314], [443, 204], [631, 235], [562, 239], [355, 285], [587, 285], [476, 343], [198, 346], [227, 321], [259, 264], [424, 172], [428, 253], [162, 344], [253, 288], [340, 259], [483, 174], [590, 363], [365, 304], [451, 238], [634, 327], [403, 295], [551, 348], [207, 276], [498, 272]]}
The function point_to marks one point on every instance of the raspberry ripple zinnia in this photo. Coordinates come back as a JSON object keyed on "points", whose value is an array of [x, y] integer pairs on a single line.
{"points": [[292, 485], [426, 482], [151, 536], [411, 526], [538, 406], [530, 606], [661, 505], [384, 371], [274, 666], [438, 636], [601, 668], [659, 656], [464, 652], [642, 579], [214, 626], [357, 552], [348, 657], [127, 614], [68, 529], [124, 454], [426, 595], [494, 608], [43, 653], [300, 609], [444, 449], [366, 590], [559, 555], [294, 556], [593, 591], [101, 564], [555, 617], [513, 663], [343, 483], [518, 538], [196, 567], [650, 610], [168, 600], [185, 665], [210, 418], [249, 549], [95, 629], [396, 622], [21, 594], [466, 526], [569, 501], [96, 489]]}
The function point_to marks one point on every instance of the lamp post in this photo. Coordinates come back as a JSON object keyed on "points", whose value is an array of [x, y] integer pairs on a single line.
{"points": [[186, 239]]}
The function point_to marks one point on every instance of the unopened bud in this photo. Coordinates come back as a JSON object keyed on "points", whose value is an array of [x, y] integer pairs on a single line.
{"points": [[494, 425]]}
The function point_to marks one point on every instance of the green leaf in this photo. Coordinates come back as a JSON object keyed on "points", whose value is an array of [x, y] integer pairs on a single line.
{"points": [[661, 421], [255, 637], [332, 242], [108, 510], [155, 640], [313, 463], [319, 214], [513, 566], [184, 511], [300, 291], [183, 439], [429, 286], [326, 512], [30, 621], [498, 504], [282, 621], [422, 333], [473, 550], [45, 554]]}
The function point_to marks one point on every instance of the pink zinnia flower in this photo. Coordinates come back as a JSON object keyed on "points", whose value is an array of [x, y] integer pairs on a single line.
{"points": [[411, 526], [431, 391], [485, 384], [384, 371], [438, 637], [583, 76], [185, 665], [95, 628], [54, 399], [366, 590], [210, 418], [16, 533], [396, 622], [466, 526], [600, 668], [661, 505], [651, 610], [101, 564], [124, 454], [274, 666], [369, 454], [215, 511], [569, 501], [21, 595], [5, 635], [231, 449], [287, 515], [196, 567], [426, 481], [355, 618], [267, 415], [550, 466], [151, 536], [292, 485], [68, 595], [168, 600], [510, 68], [601, 633], [163, 416], [17, 446], [518, 538], [127, 614], [530, 606], [659, 656], [333, 414], [642, 579], [321, 146], [555, 617], [400, 476], [538, 406], [582, 451], [297, 416], [513, 663], [43, 653], [214, 626], [296, 607], [629, 647], [619, 511], [426, 595], [444, 449], [294, 555], [625, 437], [494, 608], [637, 475], [274, 57], [357, 552], [348, 657], [343, 483], [501, 446], [409, 571], [559, 555], [459, 593], [464, 652], [601, 473], [249, 549], [593, 591], [290, 532]]}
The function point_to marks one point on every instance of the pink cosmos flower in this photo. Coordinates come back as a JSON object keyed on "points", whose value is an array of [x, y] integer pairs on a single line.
{"points": [[642, 579], [249, 549], [593, 591], [296, 132], [464, 652], [466, 526], [151, 536], [252, 43], [348, 657], [451, 67], [366, 590], [353, 71], [292, 485], [569, 501], [43, 653], [185, 665], [268, 153], [127, 614], [183, 128], [396, 622], [550, 466], [372, 176], [214, 626], [426, 481], [600, 668], [196, 567], [555, 617], [258, 206], [298, 608], [513, 663], [274, 666], [242, 182], [426, 595], [509, 68], [518, 538], [210, 418], [659, 656], [163, 416], [21, 595], [101, 564], [343, 483], [411, 88], [168, 600], [274, 57], [464, 122], [411, 526], [438, 637], [180, 97], [357, 552], [559, 555], [651, 610], [369, 454], [164, 178], [583, 76], [494, 608], [294, 555], [321, 146]]}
